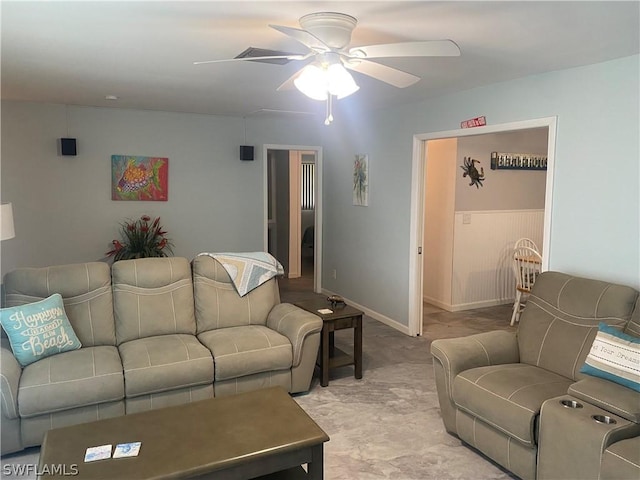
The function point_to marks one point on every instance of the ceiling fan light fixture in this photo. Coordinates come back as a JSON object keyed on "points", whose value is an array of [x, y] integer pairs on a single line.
{"points": [[318, 82], [340, 82], [312, 82], [326, 37]]}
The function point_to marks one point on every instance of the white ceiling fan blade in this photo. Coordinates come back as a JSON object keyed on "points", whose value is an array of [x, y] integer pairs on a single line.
{"points": [[434, 48], [288, 83], [303, 37], [267, 57], [389, 75]]}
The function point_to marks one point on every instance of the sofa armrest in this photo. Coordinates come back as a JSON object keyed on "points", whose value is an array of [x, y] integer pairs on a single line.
{"points": [[10, 372], [609, 396], [295, 324], [459, 354]]}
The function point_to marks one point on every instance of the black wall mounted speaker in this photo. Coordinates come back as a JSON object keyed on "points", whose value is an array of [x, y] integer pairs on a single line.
{"points": [[246, 152], [68, 146]]}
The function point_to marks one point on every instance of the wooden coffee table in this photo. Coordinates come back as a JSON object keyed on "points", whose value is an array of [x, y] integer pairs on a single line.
{"points": [[236, 437], [343, 316]]}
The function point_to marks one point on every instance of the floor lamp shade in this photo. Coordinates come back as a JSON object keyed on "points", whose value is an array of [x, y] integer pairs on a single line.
{"points": [[6, 222]]}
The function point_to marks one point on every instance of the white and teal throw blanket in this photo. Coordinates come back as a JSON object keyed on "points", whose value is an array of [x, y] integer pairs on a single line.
{"points": [[248, 270]]}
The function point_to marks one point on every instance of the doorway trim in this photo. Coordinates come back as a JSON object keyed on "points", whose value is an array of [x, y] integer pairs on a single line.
{"points": [[416, 231], [317, 241]]}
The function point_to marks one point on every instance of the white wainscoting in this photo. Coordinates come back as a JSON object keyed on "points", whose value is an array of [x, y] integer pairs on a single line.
{"points": [[483, 243]]}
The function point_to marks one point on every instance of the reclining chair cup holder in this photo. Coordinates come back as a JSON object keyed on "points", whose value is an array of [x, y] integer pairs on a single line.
{"points": [[604, 419], [571, 404]]}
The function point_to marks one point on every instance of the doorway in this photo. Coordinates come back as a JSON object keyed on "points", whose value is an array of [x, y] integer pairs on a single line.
{"points": [[293, 210], [418, 202]]}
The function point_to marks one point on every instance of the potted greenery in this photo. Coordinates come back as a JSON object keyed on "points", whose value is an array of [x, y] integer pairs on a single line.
{"points": [[141, 239]]}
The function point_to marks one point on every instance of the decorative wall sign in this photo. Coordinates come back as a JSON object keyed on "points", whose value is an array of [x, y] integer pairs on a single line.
{"points": [[470, 170], [361, 180], [518, 161], [474, 122], [139, 178]]}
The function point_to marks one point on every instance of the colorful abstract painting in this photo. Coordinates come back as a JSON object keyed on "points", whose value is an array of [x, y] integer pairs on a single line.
{"points": [[139, 178]]}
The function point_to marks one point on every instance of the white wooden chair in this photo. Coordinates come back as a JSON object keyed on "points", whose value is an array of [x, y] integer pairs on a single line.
{"points": [[527, 242], [527, 265]]}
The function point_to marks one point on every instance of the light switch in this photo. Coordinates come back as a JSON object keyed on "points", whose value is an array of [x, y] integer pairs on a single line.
{"points": [[466, 218]]}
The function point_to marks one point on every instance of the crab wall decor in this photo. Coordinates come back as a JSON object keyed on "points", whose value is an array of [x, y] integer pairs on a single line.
{"points": [[471, 170]]}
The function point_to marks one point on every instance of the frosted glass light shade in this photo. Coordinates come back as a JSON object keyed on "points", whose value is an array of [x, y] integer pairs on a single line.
{"points": [[318, 82], [341, 83], [6, 222], [312, 82]]}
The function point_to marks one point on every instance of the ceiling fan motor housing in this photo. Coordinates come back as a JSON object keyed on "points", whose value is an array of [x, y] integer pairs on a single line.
{"points": [[334, 29]]}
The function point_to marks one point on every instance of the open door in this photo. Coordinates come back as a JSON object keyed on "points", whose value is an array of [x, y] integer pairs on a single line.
{"points": [[295, 214], [417, 241], [293, 221], [302, 200]]}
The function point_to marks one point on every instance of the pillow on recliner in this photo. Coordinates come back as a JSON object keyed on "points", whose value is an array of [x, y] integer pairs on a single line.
{"points": [[38, 330], [614, 356]]}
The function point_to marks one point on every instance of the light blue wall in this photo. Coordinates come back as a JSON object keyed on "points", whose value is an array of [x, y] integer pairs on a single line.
{"points": [[62, 205], [596, 210], [63, 211]]}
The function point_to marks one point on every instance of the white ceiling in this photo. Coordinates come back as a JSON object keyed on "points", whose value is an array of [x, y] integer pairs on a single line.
{"points": [[143, 52]]}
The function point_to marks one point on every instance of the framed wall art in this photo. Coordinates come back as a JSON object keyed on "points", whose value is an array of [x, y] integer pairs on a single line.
{"points": [[361, 180], [139, 178]]}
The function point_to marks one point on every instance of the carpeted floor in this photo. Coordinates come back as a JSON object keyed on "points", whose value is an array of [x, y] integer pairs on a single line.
{"points": [[386, 425]]}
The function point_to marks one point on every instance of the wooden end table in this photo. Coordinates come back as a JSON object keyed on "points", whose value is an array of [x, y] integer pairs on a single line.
{"points": [[343, 316]]}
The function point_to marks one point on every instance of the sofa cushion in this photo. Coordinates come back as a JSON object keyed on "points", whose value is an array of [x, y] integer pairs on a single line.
{"points": [[152, 296], [614, 356], [88, 376], [85, 289], [38, 330], [239, 351], [508, 397], [621, 460], [561, 320], [218, 304], [166, 362]]}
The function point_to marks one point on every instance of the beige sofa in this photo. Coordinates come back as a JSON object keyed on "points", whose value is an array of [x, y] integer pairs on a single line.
{"points": [[155, 332], [520, 398]]}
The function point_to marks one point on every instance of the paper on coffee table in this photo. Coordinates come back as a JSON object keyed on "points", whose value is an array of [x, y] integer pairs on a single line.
{"points": [[127, 450], [97, 453]]}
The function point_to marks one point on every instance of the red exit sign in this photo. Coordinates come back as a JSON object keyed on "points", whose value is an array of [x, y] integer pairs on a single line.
{"points": [[474, 122]]}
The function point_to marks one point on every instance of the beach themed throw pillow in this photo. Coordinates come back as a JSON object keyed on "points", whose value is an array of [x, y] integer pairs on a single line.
{"points": [[614, 356], [38, 330]]}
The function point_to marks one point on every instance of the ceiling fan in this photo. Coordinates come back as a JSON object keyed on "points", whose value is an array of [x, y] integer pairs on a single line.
{"points": [[327, 36]]}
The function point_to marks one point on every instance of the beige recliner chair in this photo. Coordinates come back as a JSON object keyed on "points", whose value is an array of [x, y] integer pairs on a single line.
{"points": [[491, 386], [255, 340], [71, 387], [164, 363]]}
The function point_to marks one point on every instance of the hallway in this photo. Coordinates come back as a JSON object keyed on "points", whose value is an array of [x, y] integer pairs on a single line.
{"points": [[437, 323]]}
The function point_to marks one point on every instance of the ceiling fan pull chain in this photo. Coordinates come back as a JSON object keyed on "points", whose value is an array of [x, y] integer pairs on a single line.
{"points": [[329, 119]]}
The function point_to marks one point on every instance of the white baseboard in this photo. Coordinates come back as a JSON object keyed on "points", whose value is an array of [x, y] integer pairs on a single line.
{"points": [[437, 303], [373, 314], [467, 306]]}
